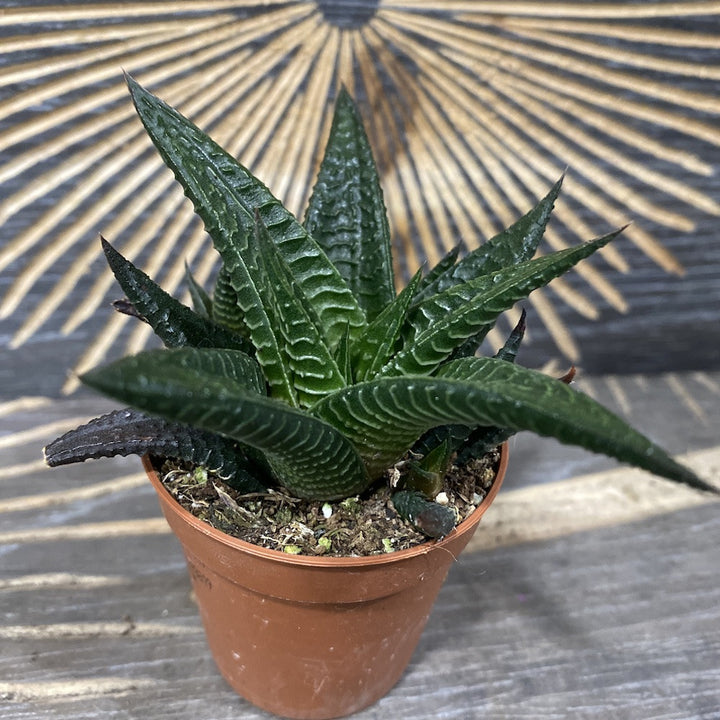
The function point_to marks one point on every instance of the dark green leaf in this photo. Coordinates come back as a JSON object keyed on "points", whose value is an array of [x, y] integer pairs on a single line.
{"points": [[346, 214], [253, 292], [385, 416], [509, 350], [233, 366], [226, 196], [529, 400], [308, 362], [130, 432], [342, 358], [453, 435], [226, 310], [376, 345], [445, 321], [308, 456], [430, 518], [515, 244], [481, 440], [202, 304], [174, 323], [444, 265], [427, 474]]}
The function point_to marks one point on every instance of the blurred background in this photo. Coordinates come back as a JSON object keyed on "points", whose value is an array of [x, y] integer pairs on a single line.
{"points": [[474, 109]]}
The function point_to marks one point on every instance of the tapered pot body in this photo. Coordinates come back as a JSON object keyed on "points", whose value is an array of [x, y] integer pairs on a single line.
{"points": [[308, 637]]}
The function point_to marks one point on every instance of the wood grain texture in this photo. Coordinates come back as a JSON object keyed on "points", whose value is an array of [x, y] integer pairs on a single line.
{"points": [[602, 605], [618, 623], [473, 111], [605, 606]]}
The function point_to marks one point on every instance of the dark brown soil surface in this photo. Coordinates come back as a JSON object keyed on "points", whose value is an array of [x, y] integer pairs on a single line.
{"points": [[357, 526]]}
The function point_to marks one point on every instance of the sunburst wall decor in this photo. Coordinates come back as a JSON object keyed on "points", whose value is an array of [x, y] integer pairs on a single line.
{"points": [[474, 109]]}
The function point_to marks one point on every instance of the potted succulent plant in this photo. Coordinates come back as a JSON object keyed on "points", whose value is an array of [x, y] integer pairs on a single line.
{"points": [[306, 376]]}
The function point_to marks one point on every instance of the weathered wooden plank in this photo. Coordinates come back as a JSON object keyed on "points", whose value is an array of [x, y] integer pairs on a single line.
{"points": [[621, 621], [615, 618], [618, 623]]}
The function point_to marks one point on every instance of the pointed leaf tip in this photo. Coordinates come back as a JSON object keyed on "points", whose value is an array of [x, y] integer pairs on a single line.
{"points": [[225, 195], [346, 213], [174, 323]]}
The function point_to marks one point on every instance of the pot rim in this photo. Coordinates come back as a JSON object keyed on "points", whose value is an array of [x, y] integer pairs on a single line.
{"points": [[231, 542]]}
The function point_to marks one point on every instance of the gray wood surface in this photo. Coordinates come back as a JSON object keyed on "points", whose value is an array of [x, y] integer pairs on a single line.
{"points": [[608, 607], [590, 591]]}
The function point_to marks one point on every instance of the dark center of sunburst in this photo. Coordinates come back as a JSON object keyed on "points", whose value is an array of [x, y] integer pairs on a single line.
{"points": [[348, 14]]}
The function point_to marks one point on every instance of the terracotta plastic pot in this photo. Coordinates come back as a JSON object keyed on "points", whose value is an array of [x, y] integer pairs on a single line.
{"points": [[306, 637]]}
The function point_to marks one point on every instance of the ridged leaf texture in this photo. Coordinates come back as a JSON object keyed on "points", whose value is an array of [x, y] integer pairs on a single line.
{"points": [[225, 308], [377, 344], [174, 323], [308, 363], [231, 366], [314, 308], [513, 245], [226, 196], [308, 456], [130, 432], [427, 284], [529, 400], [254, 293], [471, 442], [385, 416], [346, 214], [445, 321]]}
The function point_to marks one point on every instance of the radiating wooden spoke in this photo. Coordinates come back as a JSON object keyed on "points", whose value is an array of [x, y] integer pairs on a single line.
{"points": [[473, 109]]}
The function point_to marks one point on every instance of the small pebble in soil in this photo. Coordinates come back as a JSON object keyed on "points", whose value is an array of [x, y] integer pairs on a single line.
{"points": [[357, 526]]}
